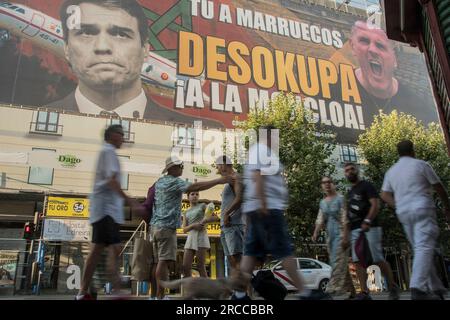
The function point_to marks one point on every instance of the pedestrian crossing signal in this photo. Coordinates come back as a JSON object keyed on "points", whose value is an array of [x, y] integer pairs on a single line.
{"points": [[28, 231]]}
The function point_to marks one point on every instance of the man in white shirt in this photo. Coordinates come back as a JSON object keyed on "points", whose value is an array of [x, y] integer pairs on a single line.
{"points": [[408, 187], [106, 211], [265, 200]]}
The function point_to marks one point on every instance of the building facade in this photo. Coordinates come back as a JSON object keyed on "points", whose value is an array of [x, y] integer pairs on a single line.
{"points": [[48, 163], [48, 154]]}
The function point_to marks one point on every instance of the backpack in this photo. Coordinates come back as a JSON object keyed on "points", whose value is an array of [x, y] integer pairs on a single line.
{"points": [[149, 203], [268, 287]]}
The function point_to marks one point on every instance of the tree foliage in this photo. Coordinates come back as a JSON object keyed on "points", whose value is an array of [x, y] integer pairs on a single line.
{"points": [[378, 146], [305, 151]]}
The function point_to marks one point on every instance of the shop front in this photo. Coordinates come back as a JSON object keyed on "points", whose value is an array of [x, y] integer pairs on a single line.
{"points": [[63, 244]]}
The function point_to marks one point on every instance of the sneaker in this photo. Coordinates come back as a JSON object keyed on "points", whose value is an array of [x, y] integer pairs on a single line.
{"points": [[244, 298], [85, 296], [363, 296], [417, 294], [316, 295], [394, 294], [152, 298]]}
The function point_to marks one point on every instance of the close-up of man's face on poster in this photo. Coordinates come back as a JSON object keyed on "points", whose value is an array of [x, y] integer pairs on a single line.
{"points": [[178, 61], [105, 52], [376, 56]]}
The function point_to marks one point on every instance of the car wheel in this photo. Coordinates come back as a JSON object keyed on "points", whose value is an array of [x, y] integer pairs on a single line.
{"points": [[323, 285]]}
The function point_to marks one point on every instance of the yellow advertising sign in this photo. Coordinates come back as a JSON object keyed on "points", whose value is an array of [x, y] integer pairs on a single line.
{"points": [[67, 207], [213, 229]]}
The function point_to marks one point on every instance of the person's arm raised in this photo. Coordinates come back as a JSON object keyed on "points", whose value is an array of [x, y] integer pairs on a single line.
{"points": [[205, 185]]}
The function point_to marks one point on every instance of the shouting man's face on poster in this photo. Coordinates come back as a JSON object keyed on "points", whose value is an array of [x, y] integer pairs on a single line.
{"points": [[377, 60], [106, 51]]}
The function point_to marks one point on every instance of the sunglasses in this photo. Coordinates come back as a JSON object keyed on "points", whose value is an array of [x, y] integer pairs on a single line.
{"points": [[327, 181]]}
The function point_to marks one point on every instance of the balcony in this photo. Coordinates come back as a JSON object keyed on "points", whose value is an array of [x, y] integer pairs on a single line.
{"points": [[46, 129]]}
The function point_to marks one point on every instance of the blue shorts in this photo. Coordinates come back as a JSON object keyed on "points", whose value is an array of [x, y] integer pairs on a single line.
{"points": [[267, 235], [374, 237], [232, 239]]}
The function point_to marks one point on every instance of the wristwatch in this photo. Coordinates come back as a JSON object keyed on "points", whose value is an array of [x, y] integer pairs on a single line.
{"points": [[367, 221]]}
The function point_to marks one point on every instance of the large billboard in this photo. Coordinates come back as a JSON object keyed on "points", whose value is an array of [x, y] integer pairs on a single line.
{"points": [[207, 60]]}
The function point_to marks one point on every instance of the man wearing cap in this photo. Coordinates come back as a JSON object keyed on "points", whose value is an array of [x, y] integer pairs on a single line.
{"points": [[167, 213]]}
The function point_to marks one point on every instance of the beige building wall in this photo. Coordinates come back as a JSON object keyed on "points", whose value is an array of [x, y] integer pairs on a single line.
{"points": [[82, 137]]}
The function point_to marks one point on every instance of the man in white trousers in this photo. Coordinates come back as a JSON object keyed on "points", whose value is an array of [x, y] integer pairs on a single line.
{"points": [[408, 187]]}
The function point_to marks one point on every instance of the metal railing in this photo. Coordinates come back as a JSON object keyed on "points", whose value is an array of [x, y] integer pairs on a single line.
{"points": [[35, 270], [34, 128], [142, 225]]}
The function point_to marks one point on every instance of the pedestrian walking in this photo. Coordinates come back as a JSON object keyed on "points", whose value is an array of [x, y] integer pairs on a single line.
{"points": [[265, 199], [106, 212], [362, 211]]}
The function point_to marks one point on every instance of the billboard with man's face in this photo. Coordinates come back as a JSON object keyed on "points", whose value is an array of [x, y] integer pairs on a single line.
{"points": [[207, 60]]}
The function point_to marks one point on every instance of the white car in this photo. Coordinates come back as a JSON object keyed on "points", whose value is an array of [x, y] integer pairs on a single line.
{"points": [[316, 274]]}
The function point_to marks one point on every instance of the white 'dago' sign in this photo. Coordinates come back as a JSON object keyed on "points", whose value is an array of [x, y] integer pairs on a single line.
{"points": [[67, 230]]}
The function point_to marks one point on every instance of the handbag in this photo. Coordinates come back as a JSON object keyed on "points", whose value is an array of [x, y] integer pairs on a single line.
{"points": [[362, 251], [142, 260]]}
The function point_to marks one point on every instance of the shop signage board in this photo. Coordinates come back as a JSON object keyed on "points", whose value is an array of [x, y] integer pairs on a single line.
{"points": [[67, 230], [67, 207]]}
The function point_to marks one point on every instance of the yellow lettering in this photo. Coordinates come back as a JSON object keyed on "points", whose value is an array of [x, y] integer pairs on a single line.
{"points": [[263, 67], [214, 58], [328, 76], [241, 72], [309, 77], [190, 45], [285, 72], [348, 84]]}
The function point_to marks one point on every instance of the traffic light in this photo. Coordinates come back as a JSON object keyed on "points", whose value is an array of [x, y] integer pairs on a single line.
{"points": [[28, 231]]}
